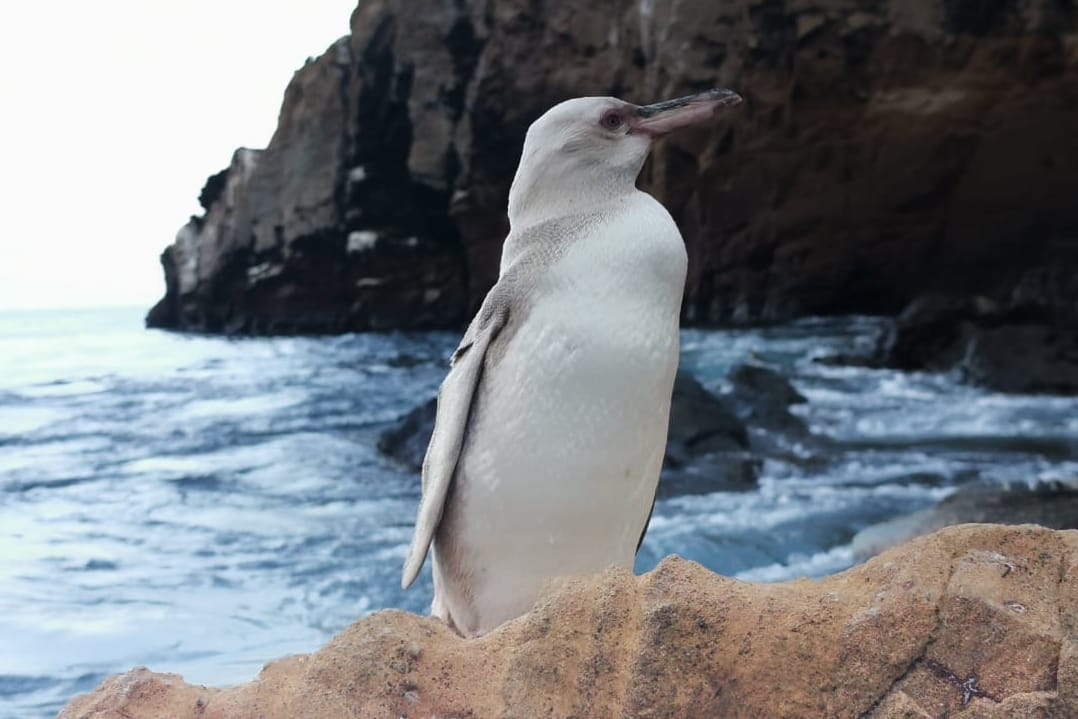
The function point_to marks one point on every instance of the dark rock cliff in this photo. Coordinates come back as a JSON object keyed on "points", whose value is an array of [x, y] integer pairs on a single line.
{"points": [[886, 149]]}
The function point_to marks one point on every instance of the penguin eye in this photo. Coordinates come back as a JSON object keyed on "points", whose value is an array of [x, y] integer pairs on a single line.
{"points": [[611, 120]]}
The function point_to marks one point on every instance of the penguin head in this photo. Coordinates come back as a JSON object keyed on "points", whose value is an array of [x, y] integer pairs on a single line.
{"points": [[588, 150]]}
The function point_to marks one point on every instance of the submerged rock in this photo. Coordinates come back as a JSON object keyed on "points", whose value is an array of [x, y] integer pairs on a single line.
{"points": [[1049, 504], [974, 621], [406, 441], [884, 150], [708, 447], [763, 397]]}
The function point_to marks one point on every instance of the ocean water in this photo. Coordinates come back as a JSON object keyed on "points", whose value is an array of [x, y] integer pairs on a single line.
{"points": [[202, 505]]}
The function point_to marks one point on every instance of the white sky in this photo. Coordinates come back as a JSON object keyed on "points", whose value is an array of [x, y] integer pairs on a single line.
{"points": [[112, 115]]}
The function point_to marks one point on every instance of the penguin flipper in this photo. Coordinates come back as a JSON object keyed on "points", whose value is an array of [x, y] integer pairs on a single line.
{"points": [[455, 399]]}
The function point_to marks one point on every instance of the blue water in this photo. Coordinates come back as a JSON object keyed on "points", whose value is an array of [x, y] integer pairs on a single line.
{"points": [[202, 505]]}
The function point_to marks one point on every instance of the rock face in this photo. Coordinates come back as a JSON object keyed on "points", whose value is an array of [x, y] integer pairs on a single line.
{"points": [[308, 235], [975, 622], [885, 150]]}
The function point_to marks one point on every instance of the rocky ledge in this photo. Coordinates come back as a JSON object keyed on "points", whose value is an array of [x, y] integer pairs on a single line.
{"points": [[974, 622], [884, 150]]}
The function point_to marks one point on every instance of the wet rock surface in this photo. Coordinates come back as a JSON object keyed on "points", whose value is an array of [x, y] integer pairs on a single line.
{"points": [[974, 621], [762, 398], [1026, 343], [882, 152], [406, 441], [1024, 358], [1049, 504], [708, 448]]}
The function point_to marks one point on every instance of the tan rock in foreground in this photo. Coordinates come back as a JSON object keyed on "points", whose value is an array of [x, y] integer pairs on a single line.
{"points": [[974, 622]]}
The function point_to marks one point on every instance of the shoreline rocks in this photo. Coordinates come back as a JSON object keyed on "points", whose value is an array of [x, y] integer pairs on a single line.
{"points": [[1050, 504], [1027, 343], [977, 621], [883, 152]]}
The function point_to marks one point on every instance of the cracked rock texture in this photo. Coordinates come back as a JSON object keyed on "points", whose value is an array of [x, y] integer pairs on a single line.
{"points": [[884, 150], [974, 622]]}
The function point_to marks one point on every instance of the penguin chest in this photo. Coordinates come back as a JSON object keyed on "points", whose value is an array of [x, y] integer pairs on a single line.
{"points": [[566, 444], [590, 389], [569, 431]]}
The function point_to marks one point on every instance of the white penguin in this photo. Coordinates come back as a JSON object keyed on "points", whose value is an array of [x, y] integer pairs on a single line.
{"points": [[552, 422]]}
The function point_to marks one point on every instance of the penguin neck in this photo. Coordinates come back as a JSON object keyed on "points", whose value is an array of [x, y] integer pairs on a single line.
{"points": [[542, 194]]}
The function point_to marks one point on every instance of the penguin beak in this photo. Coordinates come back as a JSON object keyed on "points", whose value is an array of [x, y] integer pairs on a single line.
{"points": [[663, 117]]}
